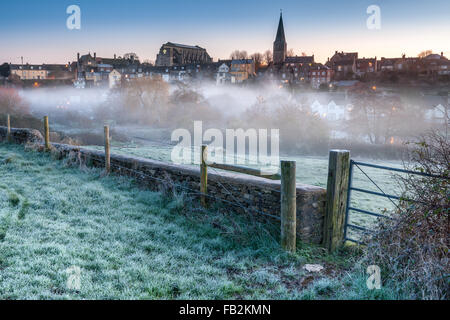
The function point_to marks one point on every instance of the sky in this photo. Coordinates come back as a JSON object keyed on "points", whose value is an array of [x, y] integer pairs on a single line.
{"points": [[37, 30]]}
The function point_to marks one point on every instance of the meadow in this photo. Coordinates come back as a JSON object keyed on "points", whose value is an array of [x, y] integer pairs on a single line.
{"points": [[312, 170], [131, 243]]}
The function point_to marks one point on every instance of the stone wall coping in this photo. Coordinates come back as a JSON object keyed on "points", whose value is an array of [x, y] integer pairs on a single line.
{"points": [[221, 176]]}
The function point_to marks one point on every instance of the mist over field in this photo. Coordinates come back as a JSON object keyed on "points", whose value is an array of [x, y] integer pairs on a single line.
{"points": [[372, 124]]}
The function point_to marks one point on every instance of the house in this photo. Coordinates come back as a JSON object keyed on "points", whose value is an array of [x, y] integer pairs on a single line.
{"points": [[242, 70], [42, 71], [366, 65], [387, 64], [94, 71], [114, 78], [330, 110], [438, 114], [436, 65], [343, 64], [320, 74], [223, 73]]}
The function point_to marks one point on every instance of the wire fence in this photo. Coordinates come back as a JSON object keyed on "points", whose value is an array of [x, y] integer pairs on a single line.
{"points": [[235, 202]]}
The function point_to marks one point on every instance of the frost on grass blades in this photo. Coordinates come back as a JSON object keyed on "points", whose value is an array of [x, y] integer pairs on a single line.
{"points": [[191, 156]]}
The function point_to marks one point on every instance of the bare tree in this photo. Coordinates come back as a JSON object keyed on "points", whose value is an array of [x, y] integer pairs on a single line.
{"points": [[131, 56], [268, 57], [425, 53], [12, 103], [380, 118], [290, 53], [258, 58], [236, 54]]}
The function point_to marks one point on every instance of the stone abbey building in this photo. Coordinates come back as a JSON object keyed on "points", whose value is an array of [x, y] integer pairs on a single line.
{"points": [[174, 54]]}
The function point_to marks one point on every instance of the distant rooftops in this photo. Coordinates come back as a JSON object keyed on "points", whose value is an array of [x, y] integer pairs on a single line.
{"points": [[300, 59], [435, 56], [172, 44], [48, 67]]}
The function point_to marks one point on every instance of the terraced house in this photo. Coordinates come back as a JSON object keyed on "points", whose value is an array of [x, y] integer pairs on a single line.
{"points": [[42, 71]]}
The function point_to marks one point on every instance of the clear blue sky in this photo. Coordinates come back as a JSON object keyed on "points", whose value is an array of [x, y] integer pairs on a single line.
{"points": [[37, 29]]}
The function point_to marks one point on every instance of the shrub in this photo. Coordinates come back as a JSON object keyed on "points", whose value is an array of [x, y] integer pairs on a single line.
{"points": [[12, 103], [412, 249]]}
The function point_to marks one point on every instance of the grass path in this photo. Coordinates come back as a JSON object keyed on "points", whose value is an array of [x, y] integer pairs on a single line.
{"points": [[131, 243]]}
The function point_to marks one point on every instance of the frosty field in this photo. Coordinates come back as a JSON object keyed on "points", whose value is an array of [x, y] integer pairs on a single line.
{"points": [[131, 243], [310, 170]]}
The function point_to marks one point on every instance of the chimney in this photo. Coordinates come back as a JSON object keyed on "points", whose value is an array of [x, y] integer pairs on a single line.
{"points": [[95, 55], [442, 54], [78, 57], [114, 56]]}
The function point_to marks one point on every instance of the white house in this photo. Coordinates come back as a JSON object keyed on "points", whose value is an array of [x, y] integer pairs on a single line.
{"points": [[115, 78], [330, 111], [223, 74], [438, 113]]}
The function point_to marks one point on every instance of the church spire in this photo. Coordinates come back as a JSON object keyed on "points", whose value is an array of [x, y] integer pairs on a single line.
{"points": [[280, 45], [280, 33]]}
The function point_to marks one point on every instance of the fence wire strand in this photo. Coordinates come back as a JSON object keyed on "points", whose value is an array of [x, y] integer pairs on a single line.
{"points": [[195, 192]]}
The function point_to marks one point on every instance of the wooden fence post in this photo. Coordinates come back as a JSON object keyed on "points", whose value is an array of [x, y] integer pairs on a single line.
{"points": [[107, 151], [288, 205], [203, 174], [8, 130], [46, 134], [337, 193]]}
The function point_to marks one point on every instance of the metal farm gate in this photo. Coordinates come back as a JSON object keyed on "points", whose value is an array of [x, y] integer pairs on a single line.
{"points": [[379, 193]]}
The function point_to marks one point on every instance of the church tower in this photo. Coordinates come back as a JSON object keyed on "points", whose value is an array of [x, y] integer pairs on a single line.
{"points": [[280, 45]]}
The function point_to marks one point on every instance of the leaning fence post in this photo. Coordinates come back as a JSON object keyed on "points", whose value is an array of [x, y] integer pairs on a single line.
{"points": [[288, 205], [46, 134], [8, 130], [203, 174], [337, 193], [107, 151]]}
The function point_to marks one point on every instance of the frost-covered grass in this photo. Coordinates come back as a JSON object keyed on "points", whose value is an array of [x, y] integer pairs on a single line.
{"points": [[310, 170], [131, 243]]}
